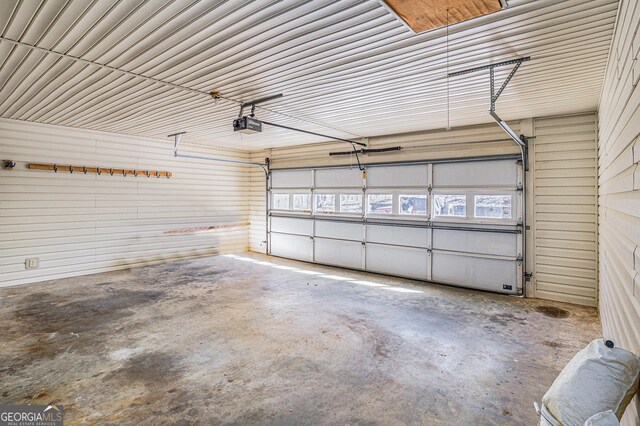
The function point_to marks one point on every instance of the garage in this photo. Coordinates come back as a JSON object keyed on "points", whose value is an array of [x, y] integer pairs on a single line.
{"points": [[320, 212]]}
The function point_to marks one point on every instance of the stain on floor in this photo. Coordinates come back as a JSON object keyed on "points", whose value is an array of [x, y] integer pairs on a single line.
{"points": [[226, 340], [553, 311]]}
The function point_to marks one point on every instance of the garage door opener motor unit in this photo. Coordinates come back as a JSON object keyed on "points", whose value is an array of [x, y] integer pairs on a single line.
{"points": [[247, 125]]}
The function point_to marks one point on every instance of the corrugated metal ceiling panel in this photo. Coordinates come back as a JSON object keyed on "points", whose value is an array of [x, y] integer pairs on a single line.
{"points": [[348, 68]]}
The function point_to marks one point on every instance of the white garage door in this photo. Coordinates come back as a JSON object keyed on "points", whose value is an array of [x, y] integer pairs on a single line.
{"points": [[451, 222]]}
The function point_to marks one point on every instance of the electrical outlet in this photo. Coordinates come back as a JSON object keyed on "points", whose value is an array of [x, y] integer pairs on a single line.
{"points": [[32, 263]]}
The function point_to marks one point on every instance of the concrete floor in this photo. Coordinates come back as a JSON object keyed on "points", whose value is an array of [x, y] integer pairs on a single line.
{"points": [[223, 340]]}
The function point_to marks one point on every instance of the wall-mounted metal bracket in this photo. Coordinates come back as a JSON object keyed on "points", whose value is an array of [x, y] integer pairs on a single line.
{"points": [[495, 95], [486, 67], [520, 140], [255, 102], [176, 141]]}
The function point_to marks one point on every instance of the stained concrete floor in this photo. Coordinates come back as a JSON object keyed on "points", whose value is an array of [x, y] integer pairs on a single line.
{"points": [[224, 340]]}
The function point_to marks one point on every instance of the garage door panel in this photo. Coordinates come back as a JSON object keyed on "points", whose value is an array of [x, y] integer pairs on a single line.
{"points": [[291, 179], [397, 235], [475, 272], [500, 244], [292, 246], [477, 173], [347, 254], [400, 261], [394, 176], [289, 225], [338, 178], [339, 230]]}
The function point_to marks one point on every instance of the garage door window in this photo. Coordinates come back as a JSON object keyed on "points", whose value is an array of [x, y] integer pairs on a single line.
{"points": [[302, 202], [493, 206], [380, 203], [450, 205], [281, 201], [325, 203], [350, 203], [413, 204]]}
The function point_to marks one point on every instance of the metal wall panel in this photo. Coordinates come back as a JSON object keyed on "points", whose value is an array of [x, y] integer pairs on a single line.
{"points": [[619, 191], [81, 224], [564, 178]]}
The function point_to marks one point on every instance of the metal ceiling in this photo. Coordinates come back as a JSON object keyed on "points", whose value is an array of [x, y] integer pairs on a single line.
{"points": [[348, 68]]}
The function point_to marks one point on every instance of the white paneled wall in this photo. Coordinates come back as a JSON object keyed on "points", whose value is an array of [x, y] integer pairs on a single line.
{"points": [[564, 209], [619, 180], [79, 224]]}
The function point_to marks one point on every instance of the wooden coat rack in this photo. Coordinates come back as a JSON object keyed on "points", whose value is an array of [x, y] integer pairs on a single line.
{"points": [[98, 170]]}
